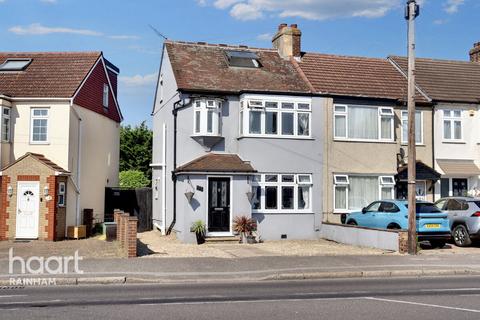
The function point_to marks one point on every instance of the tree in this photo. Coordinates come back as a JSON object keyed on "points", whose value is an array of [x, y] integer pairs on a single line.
{"points": [[133, 179], [136, 149]]}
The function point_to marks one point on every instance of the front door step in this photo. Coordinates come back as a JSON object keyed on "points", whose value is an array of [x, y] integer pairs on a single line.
{"points": [[227, 239]]}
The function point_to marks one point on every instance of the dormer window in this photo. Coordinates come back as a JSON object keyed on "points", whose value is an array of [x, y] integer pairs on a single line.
{"points": [[242, 59], [207, 113], [15, 64]]}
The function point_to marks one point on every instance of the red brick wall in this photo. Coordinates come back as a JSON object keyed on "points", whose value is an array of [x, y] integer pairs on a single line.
{"points": [[28, 178], [52, 207], [91, 94], [4, 204]]}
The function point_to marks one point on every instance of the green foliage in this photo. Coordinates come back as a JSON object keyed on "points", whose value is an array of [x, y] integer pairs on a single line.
{"points": [[245, 225], [136, 149], [133, 179], [198, 227]]}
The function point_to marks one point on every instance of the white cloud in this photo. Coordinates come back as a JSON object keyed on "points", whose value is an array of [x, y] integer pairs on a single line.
{"points": [[38, 29], [308, 9], [451, 6], [124, 37], [49, 1], [138, 80], [265, 37], [440, 21]]}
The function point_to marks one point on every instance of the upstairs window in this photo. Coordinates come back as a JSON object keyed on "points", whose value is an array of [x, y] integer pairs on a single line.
{"points": [[15, 64], [364, 123], [6, 124], [243, 59], [418, 127], [275, 118], [207, 115], [452, 125], [105, 95], [39, 125]]}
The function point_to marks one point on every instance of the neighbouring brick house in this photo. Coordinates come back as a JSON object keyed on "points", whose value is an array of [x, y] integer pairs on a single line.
{"points": [[60, 140]]}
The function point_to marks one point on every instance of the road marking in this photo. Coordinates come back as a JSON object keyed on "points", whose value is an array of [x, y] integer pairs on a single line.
{"points": [[453, 289], [423, 304], [13, 295], [28, 302]]}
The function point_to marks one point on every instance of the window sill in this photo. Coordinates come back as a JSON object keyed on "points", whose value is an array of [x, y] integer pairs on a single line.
{"points": [[363, 141], [205, 135], [276, 137], [454, 142], [282, 213], [39, 143], [404, 144]]}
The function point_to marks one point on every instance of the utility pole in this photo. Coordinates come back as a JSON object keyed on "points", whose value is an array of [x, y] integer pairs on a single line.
{"points": [[412, 11]]}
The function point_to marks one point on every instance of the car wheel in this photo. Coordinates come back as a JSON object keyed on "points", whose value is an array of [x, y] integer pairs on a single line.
{"points": [[352, 223], [393, 227], [437, 244], [461, 236]]}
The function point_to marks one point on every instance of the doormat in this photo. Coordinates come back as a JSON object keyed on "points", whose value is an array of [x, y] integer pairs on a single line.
{"points": [[22, 241]]}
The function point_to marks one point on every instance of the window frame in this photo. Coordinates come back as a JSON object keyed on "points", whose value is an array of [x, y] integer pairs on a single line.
{"points": [[380, 114], [344, 185], [105, 95], [405, 119], [451, 118], [207, 106], [61, 194], [259, 180], [266, 104], [33, 117], [9, 127]]}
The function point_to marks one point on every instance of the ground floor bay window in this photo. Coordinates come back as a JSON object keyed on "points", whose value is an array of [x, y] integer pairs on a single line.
{"points": [[282, 193], [353, 192]]}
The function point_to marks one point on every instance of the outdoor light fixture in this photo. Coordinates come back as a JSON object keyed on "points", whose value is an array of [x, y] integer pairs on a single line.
{"points": [[249, 195], [10, 190], [189, 195], [45, 191]]}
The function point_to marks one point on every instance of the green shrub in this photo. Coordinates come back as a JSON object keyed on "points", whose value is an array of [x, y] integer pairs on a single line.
{"points": [[133, 179]]}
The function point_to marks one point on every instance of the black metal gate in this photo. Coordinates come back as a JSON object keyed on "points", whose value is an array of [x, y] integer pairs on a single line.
{"points": [[137, 202]]}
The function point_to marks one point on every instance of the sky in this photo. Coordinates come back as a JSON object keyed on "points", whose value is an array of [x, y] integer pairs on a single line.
{"points": [[446, 29]]}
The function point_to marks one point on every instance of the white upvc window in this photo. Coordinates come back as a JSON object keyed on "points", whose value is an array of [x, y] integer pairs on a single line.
{"points": [[452, 125], [418, 127], [277, 193], [6, 124], [207, 115], [275, 117], [363, 123], [39, 126], [61, 194], [105, 95], [353, 192]]}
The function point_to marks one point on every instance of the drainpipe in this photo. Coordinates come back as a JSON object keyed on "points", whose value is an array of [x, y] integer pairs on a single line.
{"points": [[433, 148], [177, 106], [79, 159]]}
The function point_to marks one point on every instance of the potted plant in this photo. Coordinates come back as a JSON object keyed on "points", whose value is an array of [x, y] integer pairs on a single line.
{"points": [[245, 227], [199, 228]]}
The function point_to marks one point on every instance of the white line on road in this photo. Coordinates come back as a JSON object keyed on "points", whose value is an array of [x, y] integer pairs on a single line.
{"points": [[423, 304], [13, 295]]}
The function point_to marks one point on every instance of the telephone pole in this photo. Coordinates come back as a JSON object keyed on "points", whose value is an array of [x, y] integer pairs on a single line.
{"points": [[412, 11]]}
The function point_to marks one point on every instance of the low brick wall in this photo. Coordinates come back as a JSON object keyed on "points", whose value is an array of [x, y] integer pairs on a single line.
{"points": [[394, 240], [126, 232]]}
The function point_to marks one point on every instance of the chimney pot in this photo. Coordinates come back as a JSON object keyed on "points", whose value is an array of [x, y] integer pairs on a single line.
{"points": [[281, 26], [294, 26]]}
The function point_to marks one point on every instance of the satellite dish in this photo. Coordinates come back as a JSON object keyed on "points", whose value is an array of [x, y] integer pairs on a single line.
{"points": [[402, 153]]}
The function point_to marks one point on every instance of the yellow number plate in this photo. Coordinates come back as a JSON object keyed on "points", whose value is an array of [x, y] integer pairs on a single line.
{"points": [[432, 226]]}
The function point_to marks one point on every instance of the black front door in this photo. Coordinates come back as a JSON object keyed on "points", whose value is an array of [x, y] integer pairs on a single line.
{"points": [[218, 204], [459, 187]]}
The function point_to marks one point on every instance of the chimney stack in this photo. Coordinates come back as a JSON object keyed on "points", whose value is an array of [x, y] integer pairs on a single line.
{"points": [[287, 41], [475, 53]]}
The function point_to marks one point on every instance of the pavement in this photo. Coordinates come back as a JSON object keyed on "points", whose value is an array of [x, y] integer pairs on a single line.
{"points": [[435, 298]]}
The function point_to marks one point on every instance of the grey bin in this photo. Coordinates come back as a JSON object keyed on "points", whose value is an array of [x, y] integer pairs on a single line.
{"points": [[110, 230]]}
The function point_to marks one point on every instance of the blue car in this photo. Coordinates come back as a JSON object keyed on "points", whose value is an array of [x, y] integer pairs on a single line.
{"points": [[432, 224]]}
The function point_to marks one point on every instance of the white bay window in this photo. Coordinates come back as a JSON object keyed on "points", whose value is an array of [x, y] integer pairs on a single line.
{"points": [[289, 193], [6, 124], [353, 192], [354, 122], [207, 115], [275, 117]]}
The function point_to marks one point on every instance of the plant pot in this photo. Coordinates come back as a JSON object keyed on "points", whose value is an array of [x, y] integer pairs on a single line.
{"points": [[200, 238], [251, 239]]}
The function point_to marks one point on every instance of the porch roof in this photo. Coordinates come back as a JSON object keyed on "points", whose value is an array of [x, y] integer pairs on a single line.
{"points": [[423, 172], [217, 162], [41, 158], [459, 167]]}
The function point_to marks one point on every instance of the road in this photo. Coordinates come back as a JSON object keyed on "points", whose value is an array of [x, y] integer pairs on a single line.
{"points": [[360, 299]]}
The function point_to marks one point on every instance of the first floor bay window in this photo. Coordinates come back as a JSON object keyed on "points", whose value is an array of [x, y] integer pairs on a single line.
{"points": [[354, 192], [288, 193], [207, 115], [6, 124]]}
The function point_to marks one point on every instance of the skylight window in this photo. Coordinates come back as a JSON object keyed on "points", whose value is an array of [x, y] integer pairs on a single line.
{"points": [[244, 59], [15, 64]]}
